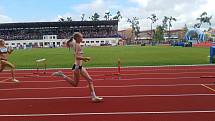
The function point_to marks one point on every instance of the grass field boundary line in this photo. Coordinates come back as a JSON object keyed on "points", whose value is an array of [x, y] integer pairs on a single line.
{"points": [[132, 66]]}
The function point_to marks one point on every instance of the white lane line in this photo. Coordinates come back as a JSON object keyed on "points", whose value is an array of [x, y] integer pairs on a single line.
{"points": [[42, 81], [4, 80], [136, 74], [119, 96], [172, 72], [108, 113], [208, 87], [121, 86], [111, 79]]}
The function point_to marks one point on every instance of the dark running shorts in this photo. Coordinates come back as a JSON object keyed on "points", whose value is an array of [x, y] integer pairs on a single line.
{"points": [[76, 67]]}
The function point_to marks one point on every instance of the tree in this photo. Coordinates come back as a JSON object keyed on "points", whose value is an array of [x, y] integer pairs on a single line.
{"points": [[118, 16], [203, 19], [82, 17], [153, 19], [210, 29], [95, 17], [159, 34], [185, 29], [68, 19], [107, 15], [164, 22], [61, 20], [135, 26], [169, 20]]}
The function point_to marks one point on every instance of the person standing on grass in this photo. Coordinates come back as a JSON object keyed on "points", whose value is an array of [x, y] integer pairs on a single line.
{"points": [[77, 68], [4, 52]]}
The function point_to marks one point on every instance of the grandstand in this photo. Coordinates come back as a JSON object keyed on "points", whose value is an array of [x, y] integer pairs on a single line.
{"points": [[55, 34]]}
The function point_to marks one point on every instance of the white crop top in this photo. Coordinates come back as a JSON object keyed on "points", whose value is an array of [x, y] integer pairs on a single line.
{"points": [[3, 50]]}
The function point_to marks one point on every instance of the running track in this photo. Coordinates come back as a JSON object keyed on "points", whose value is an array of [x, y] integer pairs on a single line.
{"points": [[141, 94]]}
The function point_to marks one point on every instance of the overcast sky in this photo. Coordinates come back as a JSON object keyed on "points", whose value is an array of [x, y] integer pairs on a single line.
{"points": [[185, 11]]}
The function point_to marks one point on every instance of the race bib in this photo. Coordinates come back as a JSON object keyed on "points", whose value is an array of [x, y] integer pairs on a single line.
{"points": [[3, 50]]}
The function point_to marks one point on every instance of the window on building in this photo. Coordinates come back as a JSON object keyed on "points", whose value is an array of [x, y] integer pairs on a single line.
{"points": [[41, 44], [46, 43]]}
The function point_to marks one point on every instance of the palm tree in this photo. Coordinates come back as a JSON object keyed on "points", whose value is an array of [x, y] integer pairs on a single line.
{"points": [[153, 19], [95, 17], [82, 16], [107, 15], [61, 20], [203, 19], [165, 25], [68, 19], [170, 19], [118, 16]]}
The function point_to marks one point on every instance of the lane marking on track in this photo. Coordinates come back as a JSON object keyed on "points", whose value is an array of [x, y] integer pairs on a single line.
{"points": [[119, 96], [208, 87], [41, 81], [4, 80], [136, 74], [108, 113], [172, 72], [121, 86], [143, 73]]}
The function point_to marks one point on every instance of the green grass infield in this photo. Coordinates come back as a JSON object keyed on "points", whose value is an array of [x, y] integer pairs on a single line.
{"points": [[108, 56]]}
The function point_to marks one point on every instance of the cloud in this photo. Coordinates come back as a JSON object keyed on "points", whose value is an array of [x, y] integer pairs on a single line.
{"points": [[5, 19], [142, 3], [184, 11], [98, 6], [209, 8]]}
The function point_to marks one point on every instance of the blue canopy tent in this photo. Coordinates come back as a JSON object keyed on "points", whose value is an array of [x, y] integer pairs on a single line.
{"points": [[201, 35]]}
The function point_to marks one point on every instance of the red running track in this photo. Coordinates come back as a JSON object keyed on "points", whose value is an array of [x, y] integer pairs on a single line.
{"points": [[142, 93]]}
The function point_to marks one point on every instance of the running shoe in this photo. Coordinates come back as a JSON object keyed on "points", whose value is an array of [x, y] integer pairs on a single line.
{"points": [[97, 99], [59, 73]]}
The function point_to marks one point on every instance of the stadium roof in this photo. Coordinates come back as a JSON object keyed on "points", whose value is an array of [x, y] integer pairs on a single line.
{"points": [[57, 24]]}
